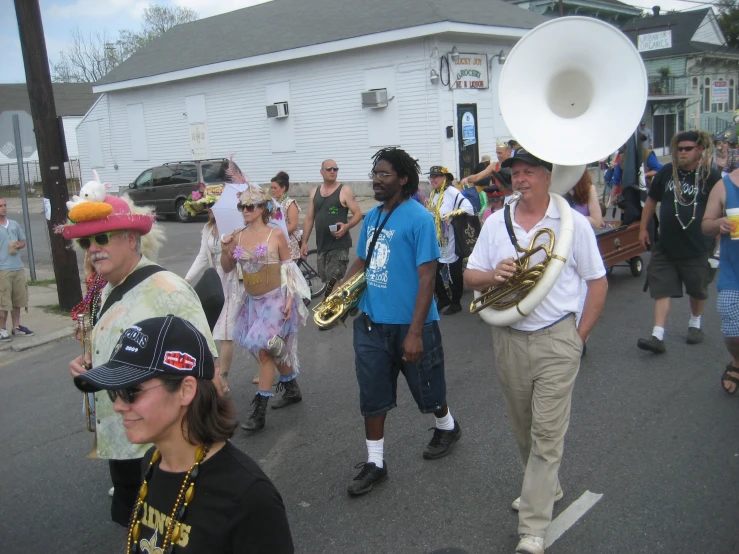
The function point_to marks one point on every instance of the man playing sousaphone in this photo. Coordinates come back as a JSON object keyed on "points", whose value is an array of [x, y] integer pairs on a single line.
{"points": [[112, 234], [537, 358]]}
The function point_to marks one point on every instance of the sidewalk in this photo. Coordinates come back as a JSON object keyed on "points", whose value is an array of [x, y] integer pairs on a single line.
{"points": [[47, 326]]}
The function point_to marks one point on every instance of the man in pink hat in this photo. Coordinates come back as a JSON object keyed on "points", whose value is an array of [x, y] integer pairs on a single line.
{"points": [[116, 238]]}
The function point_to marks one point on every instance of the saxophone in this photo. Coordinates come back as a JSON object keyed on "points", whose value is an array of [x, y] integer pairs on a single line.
{"points": [[340, 302]]}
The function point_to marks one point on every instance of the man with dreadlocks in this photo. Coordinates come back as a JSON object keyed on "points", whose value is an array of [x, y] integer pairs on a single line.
{"points": [[398, 330], [680, 255]]}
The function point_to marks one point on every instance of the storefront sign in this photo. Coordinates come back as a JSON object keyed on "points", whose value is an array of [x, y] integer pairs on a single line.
{"points": [[469, 137], [469, 71], [720, 92], [654, 41]]}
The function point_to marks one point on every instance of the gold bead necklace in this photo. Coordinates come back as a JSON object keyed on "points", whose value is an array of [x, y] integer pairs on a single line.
{"points": [[184, 498]]}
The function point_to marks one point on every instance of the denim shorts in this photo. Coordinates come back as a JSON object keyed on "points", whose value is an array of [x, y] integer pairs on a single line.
{"points": [[378, 351], [728, 308]]}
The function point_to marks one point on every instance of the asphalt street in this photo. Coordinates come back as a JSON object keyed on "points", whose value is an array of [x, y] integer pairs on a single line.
{"points": [[655, 435]]}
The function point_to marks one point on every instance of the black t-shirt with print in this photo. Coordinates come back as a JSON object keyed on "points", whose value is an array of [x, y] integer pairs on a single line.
{"points": [[673, 240], [236, 509]]}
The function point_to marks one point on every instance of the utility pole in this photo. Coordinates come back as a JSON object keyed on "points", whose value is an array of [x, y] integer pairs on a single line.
{"points": [[50, 148]]}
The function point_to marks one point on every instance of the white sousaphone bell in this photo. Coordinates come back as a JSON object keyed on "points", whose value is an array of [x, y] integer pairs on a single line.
{"points": [[571, 92]]}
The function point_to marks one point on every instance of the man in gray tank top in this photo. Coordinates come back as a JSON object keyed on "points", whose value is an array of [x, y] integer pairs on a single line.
{"points": [[328, 208]]}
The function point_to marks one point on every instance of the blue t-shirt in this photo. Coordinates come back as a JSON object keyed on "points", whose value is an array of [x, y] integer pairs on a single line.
{"points": [[13, 232], [408, 240]]}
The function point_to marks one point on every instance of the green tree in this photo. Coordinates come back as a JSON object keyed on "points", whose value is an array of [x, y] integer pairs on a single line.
{"points": [[88, 58], [728, 20]]}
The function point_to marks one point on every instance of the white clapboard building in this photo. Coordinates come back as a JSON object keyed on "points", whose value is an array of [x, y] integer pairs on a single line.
{"points": [[286, 84]]}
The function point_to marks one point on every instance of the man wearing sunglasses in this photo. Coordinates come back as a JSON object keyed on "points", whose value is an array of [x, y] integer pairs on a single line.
{"points": [[681, 252], [13, 293], [117, 240], [328, 208]]}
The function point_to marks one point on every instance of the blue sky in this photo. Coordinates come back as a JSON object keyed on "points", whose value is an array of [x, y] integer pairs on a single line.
{"points": [[60, 16]]}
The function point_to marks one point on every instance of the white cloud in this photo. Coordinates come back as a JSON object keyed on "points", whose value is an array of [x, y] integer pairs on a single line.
{"points": [[207, 8], [94, 8]]}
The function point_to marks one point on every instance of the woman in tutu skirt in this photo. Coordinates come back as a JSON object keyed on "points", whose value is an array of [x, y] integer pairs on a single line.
{"points": [[273, 309]]}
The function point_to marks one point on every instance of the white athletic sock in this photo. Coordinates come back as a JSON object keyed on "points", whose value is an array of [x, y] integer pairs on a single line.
{"points": [[695, 321], [659, 332], [445, 423], [376, 452]]}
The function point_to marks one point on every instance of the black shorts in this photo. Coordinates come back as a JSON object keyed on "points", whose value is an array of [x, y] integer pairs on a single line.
{"points": [[667, 276]]}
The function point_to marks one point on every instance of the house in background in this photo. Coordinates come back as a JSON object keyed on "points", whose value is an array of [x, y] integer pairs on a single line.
{"points": [[612, 11], [693, 74], [72, 101], [286, 84]]}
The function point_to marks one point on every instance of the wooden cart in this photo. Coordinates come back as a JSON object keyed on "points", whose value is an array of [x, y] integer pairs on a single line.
{"points": [[618, 243]]}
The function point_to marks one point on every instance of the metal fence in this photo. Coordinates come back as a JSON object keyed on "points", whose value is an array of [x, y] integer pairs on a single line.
{"points": [[10, 179]]}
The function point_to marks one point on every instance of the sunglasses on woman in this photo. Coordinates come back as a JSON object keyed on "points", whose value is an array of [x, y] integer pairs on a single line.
{"points": [[128, 395], [103, 239], [248, 207]]}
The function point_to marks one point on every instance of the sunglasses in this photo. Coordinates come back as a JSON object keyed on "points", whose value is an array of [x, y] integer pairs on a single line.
{"points": [[331, 168], [128, 395], [495, 199], [248, 207], [685, 148], [103, 239]]}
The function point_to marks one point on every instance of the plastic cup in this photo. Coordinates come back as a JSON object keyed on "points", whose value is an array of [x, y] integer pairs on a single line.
{"points": [[334, 228], [732, 214]]}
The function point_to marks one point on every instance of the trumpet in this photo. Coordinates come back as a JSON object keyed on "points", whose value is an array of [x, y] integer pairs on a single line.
{"points": [[88, 396], [340, 302], [513, 290]]}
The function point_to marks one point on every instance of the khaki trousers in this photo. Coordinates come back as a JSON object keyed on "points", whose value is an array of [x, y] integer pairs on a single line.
{"points": [[537, 373]]}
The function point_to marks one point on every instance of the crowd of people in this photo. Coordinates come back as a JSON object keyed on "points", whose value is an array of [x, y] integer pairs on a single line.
{"points": [[167, 415]]}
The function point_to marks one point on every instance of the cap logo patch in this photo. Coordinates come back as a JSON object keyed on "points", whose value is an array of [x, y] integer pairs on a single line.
{"points": [[179, 360], [134, 334]]}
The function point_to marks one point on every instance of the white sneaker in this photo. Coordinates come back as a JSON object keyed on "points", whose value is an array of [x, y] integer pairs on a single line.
{"points": [[111, 491], [529, 544], [5, 336], [516, 504]]}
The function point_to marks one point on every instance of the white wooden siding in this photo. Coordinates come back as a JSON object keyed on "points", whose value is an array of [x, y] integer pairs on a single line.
{"points": [[70, 135], [325, 111], [709, 31]]}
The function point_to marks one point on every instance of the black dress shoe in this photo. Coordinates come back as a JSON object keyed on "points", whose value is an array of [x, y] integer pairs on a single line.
{"points": [[453, 309]]}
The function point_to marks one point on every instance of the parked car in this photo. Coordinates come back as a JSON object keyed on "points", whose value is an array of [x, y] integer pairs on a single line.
{"points": [[167, 186]]}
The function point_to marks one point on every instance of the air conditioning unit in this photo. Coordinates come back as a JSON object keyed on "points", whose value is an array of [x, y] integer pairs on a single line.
{"points": [[278, 109], [375, 98]]}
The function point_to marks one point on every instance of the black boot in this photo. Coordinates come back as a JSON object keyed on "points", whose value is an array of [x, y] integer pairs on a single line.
{"points": [[291, 395], [258, 416]]}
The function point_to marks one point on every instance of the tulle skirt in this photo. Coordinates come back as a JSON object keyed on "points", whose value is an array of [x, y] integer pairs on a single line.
{"points": [[261, 318]]}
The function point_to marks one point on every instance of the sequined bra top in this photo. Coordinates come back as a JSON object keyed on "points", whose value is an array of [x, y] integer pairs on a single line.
{"points": [[260, 267]]}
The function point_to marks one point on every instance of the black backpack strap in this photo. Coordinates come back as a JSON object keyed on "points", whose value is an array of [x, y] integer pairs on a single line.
{"points": [[134, 279]]}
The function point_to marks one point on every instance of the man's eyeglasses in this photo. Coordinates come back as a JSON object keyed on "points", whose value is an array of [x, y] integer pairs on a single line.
{"points": [[103, 239], [381, 175], [685, 148], [128, 395], [247, 207], [334, 168]]}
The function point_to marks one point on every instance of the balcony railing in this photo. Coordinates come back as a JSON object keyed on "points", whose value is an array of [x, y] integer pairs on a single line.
{"points": [[662, 86]]}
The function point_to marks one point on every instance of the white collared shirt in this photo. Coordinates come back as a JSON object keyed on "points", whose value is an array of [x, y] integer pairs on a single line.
{"points": [[583, 262], [452, 200]]}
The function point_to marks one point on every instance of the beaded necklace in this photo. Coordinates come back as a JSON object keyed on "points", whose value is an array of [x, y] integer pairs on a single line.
{"points": [[677, 197], [85, 313], [435, 209], [184, 498]]}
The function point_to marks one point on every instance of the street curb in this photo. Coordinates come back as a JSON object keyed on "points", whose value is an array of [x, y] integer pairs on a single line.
{"points": [[40, 341]]}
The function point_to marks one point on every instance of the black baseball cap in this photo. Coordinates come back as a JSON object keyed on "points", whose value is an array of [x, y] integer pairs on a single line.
{"points": [[524, 156], [151, 348]]}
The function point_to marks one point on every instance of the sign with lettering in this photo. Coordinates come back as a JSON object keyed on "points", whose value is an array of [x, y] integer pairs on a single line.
{"points": [[469, 137], [654, 41], [469, 71], [720, 92]]}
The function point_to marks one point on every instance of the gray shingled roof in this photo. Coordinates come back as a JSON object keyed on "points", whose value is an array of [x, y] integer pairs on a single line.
{"points": [[683, 26], [286, 24], [70, 98]]}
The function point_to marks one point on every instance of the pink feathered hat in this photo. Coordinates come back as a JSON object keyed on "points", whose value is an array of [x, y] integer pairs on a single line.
{"points": [[121, 218]]}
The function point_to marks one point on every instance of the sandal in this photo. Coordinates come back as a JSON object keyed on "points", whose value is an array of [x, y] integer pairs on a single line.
{"points": [[726, 377], [224, 383]]}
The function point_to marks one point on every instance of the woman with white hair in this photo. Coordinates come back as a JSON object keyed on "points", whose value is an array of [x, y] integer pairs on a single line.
{"points": [[267, 324]]}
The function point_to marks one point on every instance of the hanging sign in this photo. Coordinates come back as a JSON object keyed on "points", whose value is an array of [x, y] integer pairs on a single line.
{"points": [[654, 41], [720, 92], [469, 71]]}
